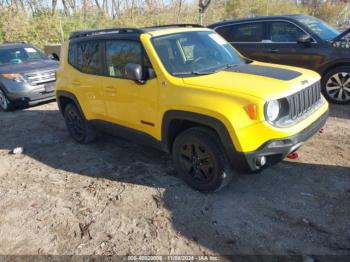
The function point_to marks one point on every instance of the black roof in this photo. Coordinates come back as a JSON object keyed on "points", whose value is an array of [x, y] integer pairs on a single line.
{"points": [[257, 18], [126, 30], [91, 32]]}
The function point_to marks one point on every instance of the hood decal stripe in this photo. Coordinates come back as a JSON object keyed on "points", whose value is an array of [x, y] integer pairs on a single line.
{"points": [[272, 72]]}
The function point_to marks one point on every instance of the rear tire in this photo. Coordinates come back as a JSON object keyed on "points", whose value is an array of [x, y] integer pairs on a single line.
{"points": [[78, 127], [200, 160], [336, 85], [5, 103]]}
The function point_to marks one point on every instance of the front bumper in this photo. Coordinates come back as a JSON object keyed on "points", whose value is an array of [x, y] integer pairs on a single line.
{"points": [[277, 149], [31, 95]]}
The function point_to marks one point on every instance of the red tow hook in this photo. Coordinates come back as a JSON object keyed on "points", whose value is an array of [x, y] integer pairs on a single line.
{"points": [[293, 155]]}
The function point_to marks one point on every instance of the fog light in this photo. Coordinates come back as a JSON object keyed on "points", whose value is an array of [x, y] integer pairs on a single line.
{"points": [[261, 161]]}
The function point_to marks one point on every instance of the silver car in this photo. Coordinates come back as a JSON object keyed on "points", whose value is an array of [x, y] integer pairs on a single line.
{"points": [[27, 76]]}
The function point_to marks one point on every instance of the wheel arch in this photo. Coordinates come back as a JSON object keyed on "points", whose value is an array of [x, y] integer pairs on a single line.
{"points": [[64, 98], [3, 88], [325, 69], [175, 121]]}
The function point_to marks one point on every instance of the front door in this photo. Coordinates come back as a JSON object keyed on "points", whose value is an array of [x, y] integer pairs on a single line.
{"points": [[285, 49], [128, 103]]}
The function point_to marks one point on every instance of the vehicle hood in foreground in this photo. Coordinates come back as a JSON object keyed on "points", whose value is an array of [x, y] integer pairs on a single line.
{"points": [[39, 65], [261, 80]]}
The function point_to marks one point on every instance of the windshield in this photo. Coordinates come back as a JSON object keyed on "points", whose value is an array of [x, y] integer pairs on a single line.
{"points": [[17, 55], [320, 28], [195, 53]]}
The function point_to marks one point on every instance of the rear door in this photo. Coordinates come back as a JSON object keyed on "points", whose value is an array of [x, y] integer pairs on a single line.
{"points": [[249, 38], [88, 76]]}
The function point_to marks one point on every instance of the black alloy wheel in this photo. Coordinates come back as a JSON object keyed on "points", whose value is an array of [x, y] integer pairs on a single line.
{"points": [[77, 126], [200, 160]]}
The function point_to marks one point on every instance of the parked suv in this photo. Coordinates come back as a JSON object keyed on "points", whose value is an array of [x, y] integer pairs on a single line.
{"points": [[185, 90], [296, 40], [27, 76]]}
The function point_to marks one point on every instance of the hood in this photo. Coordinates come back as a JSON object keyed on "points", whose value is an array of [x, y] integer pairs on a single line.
{"points": [[39, 65], [339, 37], [260, 80]]}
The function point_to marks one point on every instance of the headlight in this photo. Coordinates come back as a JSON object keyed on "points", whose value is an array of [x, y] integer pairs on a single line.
{"points": [[273, 110], [15, 77]]}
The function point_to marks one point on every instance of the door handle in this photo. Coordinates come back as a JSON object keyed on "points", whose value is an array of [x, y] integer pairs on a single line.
{"points": [[273, 50], [111, 90], [76, 82]]}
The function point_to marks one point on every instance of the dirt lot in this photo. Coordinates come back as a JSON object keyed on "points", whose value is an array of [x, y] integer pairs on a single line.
{"points": [[116, 197]]}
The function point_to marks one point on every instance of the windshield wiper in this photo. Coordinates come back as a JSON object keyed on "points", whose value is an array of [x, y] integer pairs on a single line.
{"points": [[227, 66], [230, 66], [200, 73], [203, 72], [196, 73]]}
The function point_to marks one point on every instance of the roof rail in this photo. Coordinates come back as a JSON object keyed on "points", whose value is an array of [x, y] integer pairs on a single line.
{"points": [[125, 30], [14, 42], [174, 25], [83, 33]]}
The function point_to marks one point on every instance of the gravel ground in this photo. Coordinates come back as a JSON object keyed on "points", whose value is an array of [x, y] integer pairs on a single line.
{"points": [[117, 197]]}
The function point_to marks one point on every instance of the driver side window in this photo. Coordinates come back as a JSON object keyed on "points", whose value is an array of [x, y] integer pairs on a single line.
{"points": [[284, 32], [119, 53]]}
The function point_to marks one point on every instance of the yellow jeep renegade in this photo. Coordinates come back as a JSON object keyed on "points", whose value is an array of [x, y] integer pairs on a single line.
{"points": [[185, 90]]}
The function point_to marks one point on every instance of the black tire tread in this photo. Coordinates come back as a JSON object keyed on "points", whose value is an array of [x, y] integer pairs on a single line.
{"points": [[90, 133], [10, 106], [211, 138]]}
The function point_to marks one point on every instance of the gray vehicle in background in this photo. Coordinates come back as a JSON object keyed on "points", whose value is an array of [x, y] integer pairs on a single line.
{"points": [[27, 76]]}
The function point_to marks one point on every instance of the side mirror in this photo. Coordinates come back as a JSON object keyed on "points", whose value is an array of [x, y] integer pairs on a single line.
{"points": [[134, 72], [53, 56], [305, 40]]}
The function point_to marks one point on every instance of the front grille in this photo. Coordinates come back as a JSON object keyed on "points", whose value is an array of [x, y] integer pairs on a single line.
{"points": [[40, 78], [304, 100]]}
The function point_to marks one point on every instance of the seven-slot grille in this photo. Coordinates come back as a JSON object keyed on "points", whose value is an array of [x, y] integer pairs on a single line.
{"points": [[304, 100], [39, 78]]}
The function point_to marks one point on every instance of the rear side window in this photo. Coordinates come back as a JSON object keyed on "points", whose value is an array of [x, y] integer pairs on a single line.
{"points": [[247, 33], [225, 32], [71, 54], [285, 32], [89, 57], [119, 53]]}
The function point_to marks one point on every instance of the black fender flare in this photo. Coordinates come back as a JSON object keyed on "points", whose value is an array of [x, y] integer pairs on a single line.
{"points": [[233, 155], [333, 64], [60, 94]]}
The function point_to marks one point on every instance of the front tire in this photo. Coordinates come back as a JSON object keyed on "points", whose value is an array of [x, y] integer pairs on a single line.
{"points": [[336, 85], [78, 127], [5, 103], [200, 160]]}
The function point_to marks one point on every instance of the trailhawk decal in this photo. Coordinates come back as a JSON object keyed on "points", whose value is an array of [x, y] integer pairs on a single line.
{"points": [[272, 72]]}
